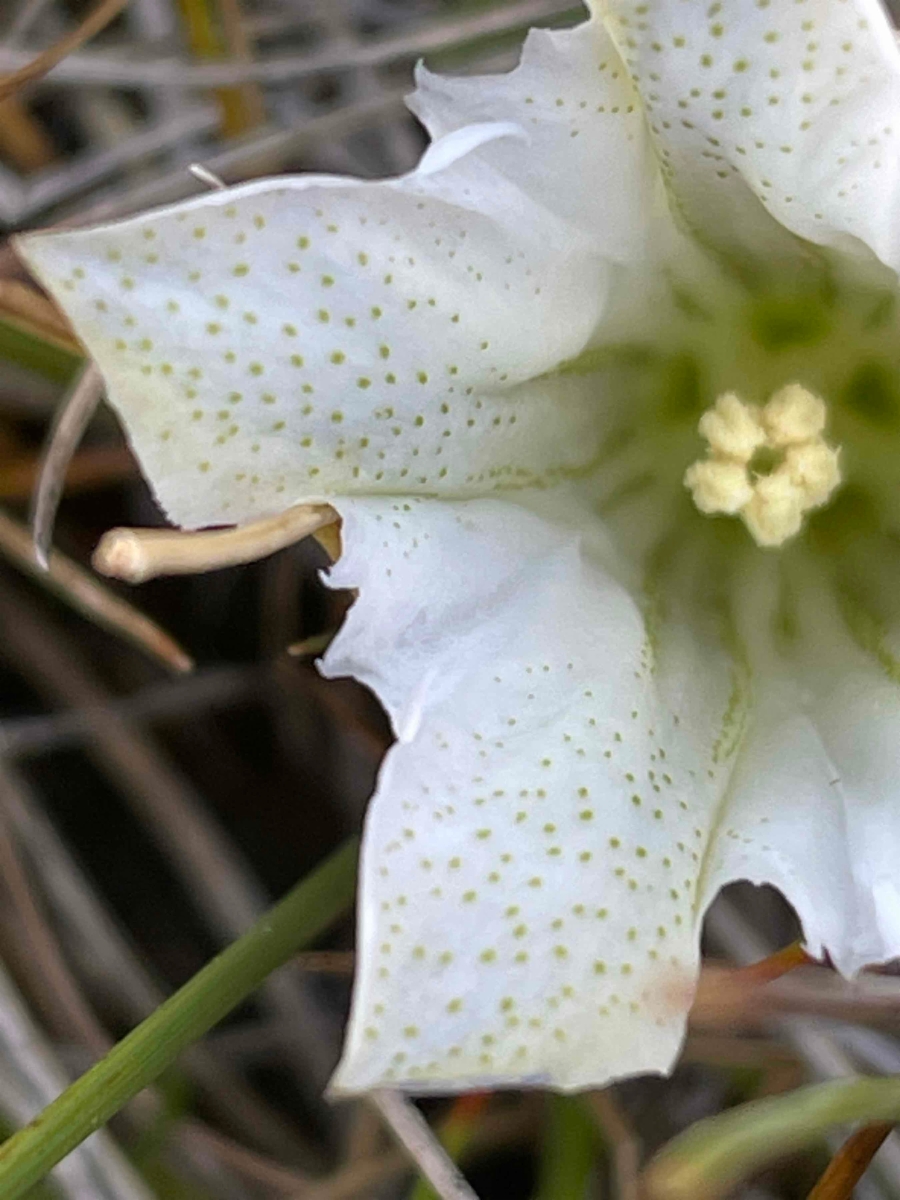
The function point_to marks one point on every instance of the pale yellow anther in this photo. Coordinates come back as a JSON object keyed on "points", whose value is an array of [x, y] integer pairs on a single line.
{"points": [[793, 415], [773, 503], [732, 428], [719, 486], [814, 467], [775, 511]]}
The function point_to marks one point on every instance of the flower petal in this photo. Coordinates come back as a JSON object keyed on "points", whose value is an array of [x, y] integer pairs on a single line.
{"points": [[590, 158], [300, 337], [790, 105], [813, 803], [531, 854]]}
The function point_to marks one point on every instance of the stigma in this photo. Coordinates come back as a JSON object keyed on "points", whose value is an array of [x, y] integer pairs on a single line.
{"points": [[768, 465]]}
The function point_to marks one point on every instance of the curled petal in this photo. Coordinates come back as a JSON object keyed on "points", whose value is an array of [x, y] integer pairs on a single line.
{"points": [[590, 160]]}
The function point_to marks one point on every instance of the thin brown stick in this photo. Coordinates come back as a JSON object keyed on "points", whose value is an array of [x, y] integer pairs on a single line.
{"points": [[249, 1163], [812, 991], [851, 1162], [93, 467], [251, 112], [72, 418], [217, 876], [625, 1149], [413, 1133], [734, 1050], [23, 140], [104, 955], [24, 306], [89, 597], [137, 555], [105, 68], [364, 1135], [203, 692], [327, 962], [93, 23], [59, 994], [360, 1177]]}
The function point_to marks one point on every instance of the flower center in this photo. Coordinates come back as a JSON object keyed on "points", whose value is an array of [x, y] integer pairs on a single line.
{"points": [[769, 465]]}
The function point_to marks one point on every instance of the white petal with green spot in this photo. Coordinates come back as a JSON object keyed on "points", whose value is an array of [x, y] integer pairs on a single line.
{"points": [[298, 338], [529, 884]]}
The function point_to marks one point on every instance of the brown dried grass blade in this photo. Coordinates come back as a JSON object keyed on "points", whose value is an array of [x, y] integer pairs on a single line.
{"points": [[72, 419], [91, 598], [23, 140], [25, 307], [93, 23], [850, 1163]]}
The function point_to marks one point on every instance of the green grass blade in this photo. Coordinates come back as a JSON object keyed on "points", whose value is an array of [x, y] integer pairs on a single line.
{"points": [[715, 1154], [569, 1151], [26, 349], [152, 1046]]}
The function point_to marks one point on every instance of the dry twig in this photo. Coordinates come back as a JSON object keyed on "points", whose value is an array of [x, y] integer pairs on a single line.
{"points": [[623, 1142], [26, 307], [93, 467], [43, 961], [106, 958], [105, 68], [851, 1162], [413, 1133], [93, 23], [216, 874], [89, 597], [72, 419]]}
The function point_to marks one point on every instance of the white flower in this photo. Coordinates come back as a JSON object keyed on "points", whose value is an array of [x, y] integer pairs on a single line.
{"points": [[607, 704]]}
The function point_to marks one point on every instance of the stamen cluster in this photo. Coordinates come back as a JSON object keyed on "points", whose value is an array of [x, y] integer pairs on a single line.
{"points": [[786, 434]]}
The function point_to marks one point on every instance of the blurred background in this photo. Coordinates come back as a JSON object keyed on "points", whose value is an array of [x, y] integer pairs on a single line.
{"points": [[148, 814]]}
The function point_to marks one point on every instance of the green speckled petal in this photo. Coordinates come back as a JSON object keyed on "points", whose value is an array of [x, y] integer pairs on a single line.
{"points": [[533, 850], [812, 808], [590, 159], [771, 112], [295, 339]]}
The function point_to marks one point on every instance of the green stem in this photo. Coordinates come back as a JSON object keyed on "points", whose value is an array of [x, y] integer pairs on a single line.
{"points": [[569, 1151], [151, 1047], [714, 1155]]}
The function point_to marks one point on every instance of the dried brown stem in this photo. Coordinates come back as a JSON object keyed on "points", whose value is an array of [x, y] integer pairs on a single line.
{"points": [[72, 419], [624, 1145], [24, 306], [59, 993], [216, 874], [851, 1162], [104, 68], [413, 1133], [89, 597], [93, 23], [23, 140], [104, 955], [93, 467]]}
